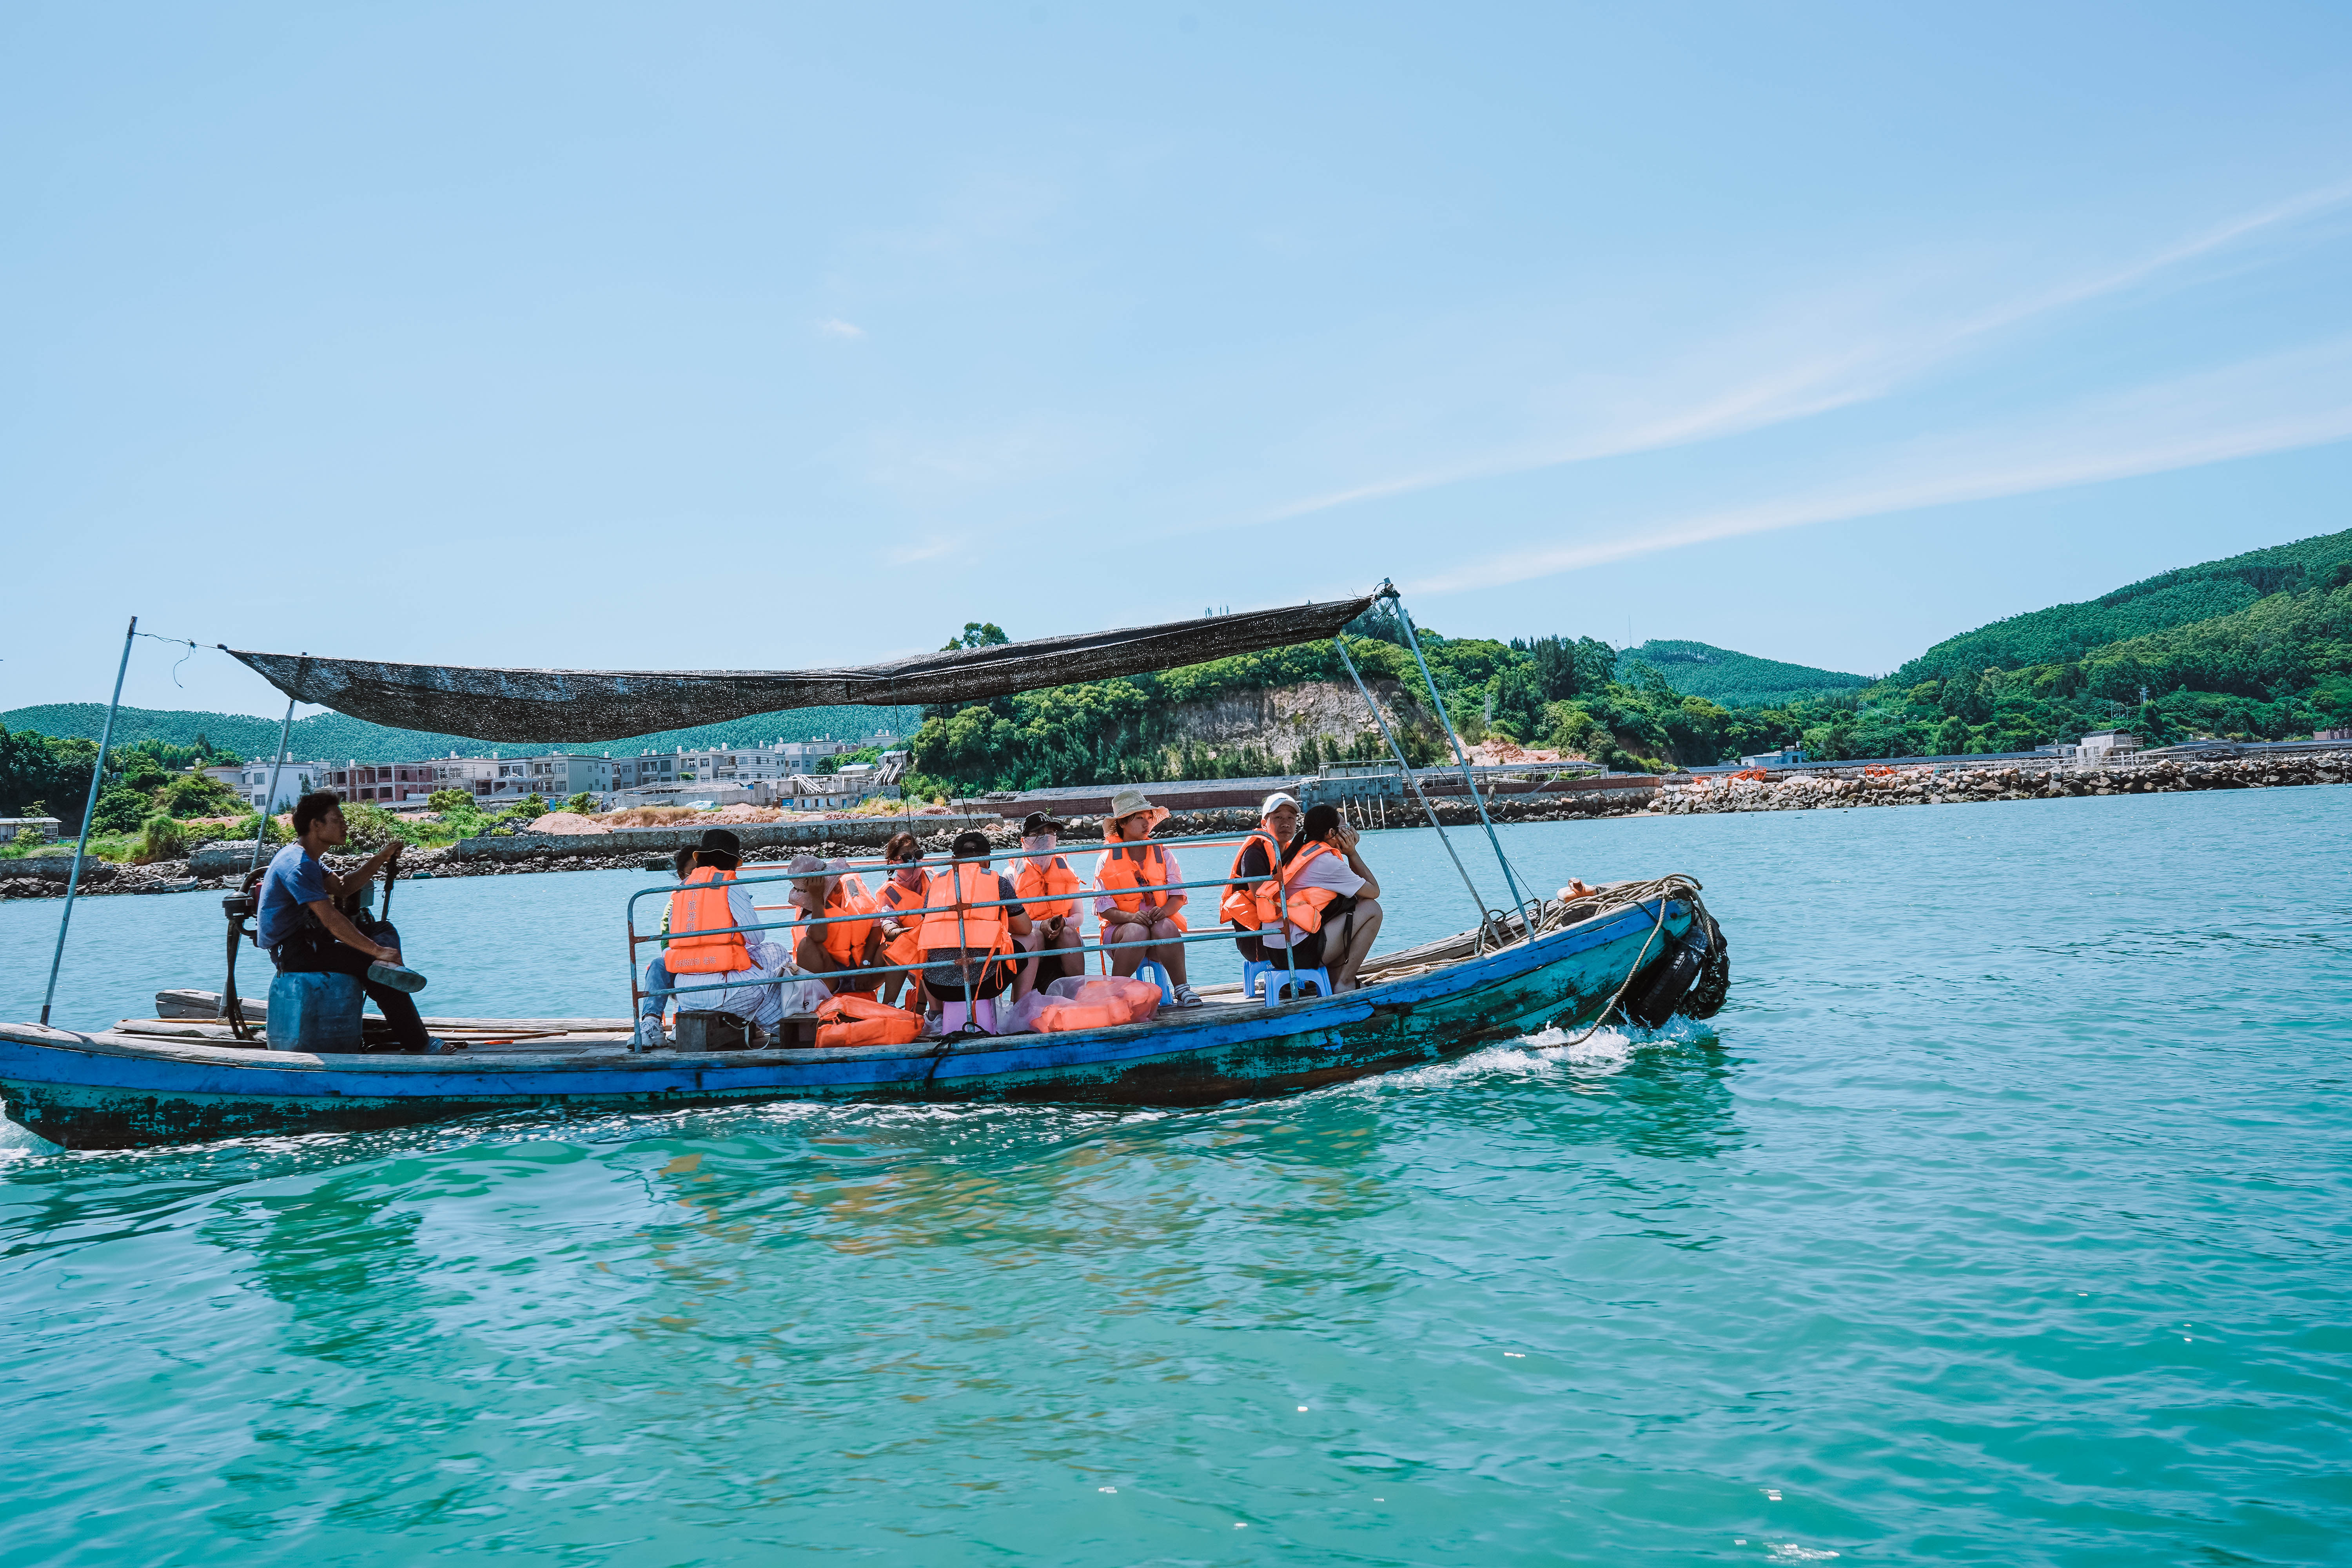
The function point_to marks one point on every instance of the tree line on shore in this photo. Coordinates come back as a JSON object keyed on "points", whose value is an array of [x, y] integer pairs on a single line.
{"points": [[2258, 647]]}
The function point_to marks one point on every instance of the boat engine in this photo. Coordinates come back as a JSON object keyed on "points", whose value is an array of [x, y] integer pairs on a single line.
{"points": [[239, 908]]}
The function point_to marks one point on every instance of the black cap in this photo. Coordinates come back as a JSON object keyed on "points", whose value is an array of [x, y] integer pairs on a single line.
{"points": [[719, 839], [1037, 822], [970, 844]]}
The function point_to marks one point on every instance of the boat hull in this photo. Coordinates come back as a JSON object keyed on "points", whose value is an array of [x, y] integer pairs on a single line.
{"points": [[112, 1090]]}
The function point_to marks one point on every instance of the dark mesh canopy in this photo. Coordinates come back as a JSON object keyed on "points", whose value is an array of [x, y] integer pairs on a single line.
{"points": [[578, 705]]}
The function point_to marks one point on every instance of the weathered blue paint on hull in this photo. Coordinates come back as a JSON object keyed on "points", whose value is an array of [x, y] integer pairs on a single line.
{"points": [[114, 1090]]}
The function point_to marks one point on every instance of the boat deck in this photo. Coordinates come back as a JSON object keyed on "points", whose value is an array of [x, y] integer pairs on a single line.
{"points": [[193, 1017]]}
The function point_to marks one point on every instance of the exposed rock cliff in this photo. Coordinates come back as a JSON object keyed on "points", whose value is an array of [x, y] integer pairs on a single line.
{"points": [[1281, 720]]}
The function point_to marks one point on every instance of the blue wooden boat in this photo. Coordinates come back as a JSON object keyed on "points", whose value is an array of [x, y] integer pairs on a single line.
{"points": [[167, 1081], [1648, 949]]}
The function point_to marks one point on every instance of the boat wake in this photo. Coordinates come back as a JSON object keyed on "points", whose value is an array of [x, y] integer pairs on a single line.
{"points": [[1553, 1054]]}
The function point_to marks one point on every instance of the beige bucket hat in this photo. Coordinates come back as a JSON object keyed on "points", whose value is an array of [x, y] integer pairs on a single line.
{"points": [[1127, 802]]}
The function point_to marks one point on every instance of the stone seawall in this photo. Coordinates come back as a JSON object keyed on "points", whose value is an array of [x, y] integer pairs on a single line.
{"points": [[1926, 787], [649, 849]]}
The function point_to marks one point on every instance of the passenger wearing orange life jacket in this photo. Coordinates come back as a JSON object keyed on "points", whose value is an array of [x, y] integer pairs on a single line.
{"points": [[899, 904], [829, 894], [1139, 901], [1332, 898], [1259, 856], [749, 972], [972, 919], [1048, 891]]}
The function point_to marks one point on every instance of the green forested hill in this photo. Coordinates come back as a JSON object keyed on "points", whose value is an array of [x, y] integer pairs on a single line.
{"points": [[2256, 645], [2176, 598], [1734, 680], [325, 737]]}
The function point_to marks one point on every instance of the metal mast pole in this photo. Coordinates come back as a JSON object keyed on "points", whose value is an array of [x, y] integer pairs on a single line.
{"points": [[269, 796], [1412, 778], [1518, 899], [97, 776]]}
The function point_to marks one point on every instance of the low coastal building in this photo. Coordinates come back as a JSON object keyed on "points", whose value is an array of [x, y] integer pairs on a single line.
{"points": [[2105, 746], [697, 795], [43, 830], [850, 786]]}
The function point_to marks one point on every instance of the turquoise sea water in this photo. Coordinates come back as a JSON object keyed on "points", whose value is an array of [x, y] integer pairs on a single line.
{"points": [[2003, 1216]]}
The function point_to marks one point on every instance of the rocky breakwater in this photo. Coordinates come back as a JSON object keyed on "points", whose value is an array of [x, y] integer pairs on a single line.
{"points": [[1929, 787]]}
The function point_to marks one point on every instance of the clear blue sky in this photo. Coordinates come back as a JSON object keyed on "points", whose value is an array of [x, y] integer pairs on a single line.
{"points": [[751, 336]]}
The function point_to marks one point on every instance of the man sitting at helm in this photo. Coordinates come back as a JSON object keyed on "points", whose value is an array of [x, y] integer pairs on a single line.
{"points": [[827, 892], [709, 947], [1260, 856], [1141, 904], [971, 922]]}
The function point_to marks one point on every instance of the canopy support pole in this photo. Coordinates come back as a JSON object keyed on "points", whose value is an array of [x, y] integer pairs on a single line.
{"points": [[1412, 778], [89, 806], [269, 798], [1518, 899]]}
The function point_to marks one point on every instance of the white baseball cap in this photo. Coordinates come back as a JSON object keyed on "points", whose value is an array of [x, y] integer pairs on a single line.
{"points": [[1265, 807]]}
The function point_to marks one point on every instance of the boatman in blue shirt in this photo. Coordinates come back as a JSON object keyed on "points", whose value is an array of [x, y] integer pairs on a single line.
{"points": [[302, 924]]}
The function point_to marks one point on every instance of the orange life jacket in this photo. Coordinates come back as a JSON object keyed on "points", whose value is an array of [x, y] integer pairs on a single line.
{"points": [[1306, 904], [850, 1019], [1239, 905], [701, 906], [846, 941], [1118, 870], [959, 888], [1047, 893], [894, 900]]}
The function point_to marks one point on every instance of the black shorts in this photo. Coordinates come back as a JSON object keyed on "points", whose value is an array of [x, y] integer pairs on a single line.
{"points": [[946, 969], [1307, 952]]}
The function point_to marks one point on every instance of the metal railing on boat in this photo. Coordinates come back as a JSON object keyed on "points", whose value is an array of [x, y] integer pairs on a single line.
{"points": [[855, 865]]}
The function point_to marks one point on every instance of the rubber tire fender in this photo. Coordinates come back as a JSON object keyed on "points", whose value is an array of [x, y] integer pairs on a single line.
{"points": [[1707, 998], [1658, 989]]}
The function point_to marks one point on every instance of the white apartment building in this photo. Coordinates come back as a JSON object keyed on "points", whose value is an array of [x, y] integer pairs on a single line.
{"points": [[771, 761], [645, 770], [251, 782], [562, 774], [496, 777]]}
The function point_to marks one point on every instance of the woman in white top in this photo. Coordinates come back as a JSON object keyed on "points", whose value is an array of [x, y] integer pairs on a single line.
{"points": [[1350, 920]]}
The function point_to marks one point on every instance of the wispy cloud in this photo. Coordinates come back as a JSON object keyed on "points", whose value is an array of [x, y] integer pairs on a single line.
{"points": [[906, 554], [1873, 364], [834, 327], [2274, 404]]}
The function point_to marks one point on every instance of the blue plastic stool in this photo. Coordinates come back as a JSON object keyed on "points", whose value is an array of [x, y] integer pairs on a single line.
{"points": [[1149, 970], [1274, 977], [313, 1012]]}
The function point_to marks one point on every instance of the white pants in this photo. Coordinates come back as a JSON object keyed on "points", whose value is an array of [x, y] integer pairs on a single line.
{"points": [[763, 994]]}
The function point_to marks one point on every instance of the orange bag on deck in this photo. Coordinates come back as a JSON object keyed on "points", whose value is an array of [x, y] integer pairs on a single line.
{"points": [[851, 1019], [1140, 997], [1061, 1017]]}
